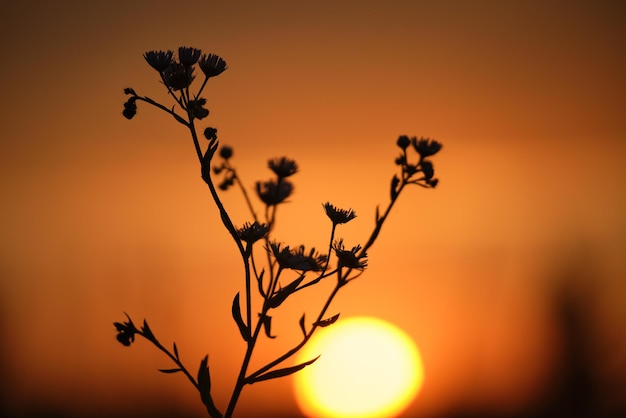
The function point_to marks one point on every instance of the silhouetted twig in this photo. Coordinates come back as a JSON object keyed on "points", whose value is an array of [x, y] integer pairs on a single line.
{"points": [[274, 282]]}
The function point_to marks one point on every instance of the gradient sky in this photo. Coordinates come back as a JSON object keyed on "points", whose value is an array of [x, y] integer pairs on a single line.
{"points": [[102, 215]]}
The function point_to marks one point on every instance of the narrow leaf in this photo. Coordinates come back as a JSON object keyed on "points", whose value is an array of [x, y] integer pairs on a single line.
{"points": [[302, 327], [130, 322], [327, 322], [280, 296], [176, 351], [204, 378], [204, 387], [205, 164], [394, 185], [377, 214], [427, 169], [259, 281], [267, 325], [236, 310], [147, 331], [283, 372], [170, 370]]}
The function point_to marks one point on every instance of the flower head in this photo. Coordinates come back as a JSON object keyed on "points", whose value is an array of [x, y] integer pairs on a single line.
{"points": [[427, 169], [188, 56], [197, 109], [210, 133], [350, 258], [425, 147], [272, 192], [212, 65], [338, 216], [159, 60], [283, 167], [401, 160], [228, 181], [251, 233], [177, 76], [130, 108], [297, 259], [125, 331], [226, 152], [403, 141]]}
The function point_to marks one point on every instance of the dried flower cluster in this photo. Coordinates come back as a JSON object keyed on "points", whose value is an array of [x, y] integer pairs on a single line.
{"points": [[275, 270]]}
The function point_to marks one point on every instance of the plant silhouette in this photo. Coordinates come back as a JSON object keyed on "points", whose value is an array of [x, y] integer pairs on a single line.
{"points": [[273, 271]]}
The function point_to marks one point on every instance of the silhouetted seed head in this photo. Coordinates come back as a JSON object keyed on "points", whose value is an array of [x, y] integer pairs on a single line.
{"points": [[427, 169], [177, 76], [212, 65], [403, 141], [349, 258], [130, 108], [410, 169], [125, 332], [129, 113], [188, 56], [297, 259], [226, 152], [197, 109], [425, 147], [283, 167], [227, 182], [200, 113], [401, 160], [432, 182], [210, 134], [129, 90], [131, 103], [272, 193], [159, 60], [251, 233], [338, 216]]}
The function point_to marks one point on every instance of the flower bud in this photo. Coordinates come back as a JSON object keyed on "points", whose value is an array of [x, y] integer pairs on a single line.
{"points": [[210, 133], [403, 141], [226, 152], [129, 113], [130, 108]]}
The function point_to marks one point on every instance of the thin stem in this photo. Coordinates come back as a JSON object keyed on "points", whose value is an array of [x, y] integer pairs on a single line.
{"points": [[330, 247], [196, 143], [228, 224], [201, 87], [233, 232], [306, 338], [170, 91], [271, 290], [173, 358], [342, 281], [210, 407], [381, 220], [178, 118], [241, 378], [243, 190], [314, 281]]}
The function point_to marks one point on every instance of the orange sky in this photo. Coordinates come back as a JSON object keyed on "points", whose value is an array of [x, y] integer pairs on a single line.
{"points": [[103, 215]]}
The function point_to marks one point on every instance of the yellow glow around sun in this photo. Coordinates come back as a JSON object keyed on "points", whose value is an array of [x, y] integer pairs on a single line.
{"points": [[367, 368]]}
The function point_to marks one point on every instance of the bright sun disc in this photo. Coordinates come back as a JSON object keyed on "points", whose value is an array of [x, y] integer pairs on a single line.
{"points": [[367, 368]]}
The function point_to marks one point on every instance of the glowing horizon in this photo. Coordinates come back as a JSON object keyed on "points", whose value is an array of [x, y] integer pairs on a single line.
{"points": [[103, 215]]}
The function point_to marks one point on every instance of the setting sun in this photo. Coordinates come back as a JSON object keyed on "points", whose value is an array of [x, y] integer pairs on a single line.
{"points": [[367, 368]]}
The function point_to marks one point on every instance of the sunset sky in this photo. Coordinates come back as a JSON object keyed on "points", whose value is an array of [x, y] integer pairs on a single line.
{"points": [[102, 215]]}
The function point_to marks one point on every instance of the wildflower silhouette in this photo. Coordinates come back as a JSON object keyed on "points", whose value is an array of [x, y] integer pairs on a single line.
{"points": [[287, 270]]}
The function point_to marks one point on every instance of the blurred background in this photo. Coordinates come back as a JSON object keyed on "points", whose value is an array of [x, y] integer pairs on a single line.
{"points": [[509, 276]]}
